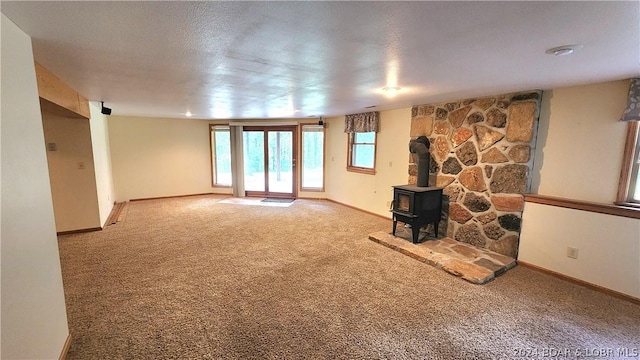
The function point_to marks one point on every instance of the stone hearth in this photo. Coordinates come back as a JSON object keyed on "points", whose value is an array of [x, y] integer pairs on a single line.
{"points": [[473, 264]]}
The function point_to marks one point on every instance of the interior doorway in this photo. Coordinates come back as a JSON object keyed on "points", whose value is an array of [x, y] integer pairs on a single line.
{"points": [[270, 161]]}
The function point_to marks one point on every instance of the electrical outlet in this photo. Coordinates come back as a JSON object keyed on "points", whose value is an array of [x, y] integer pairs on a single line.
{"points": [[81, 165], [388, 204], [572, 252]]}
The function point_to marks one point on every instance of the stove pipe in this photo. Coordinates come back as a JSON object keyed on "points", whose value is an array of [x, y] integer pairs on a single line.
{"points": [[420, 146]]}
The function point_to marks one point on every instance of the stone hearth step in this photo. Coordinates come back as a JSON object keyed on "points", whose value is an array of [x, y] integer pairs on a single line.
{"points": [[473, 264]]}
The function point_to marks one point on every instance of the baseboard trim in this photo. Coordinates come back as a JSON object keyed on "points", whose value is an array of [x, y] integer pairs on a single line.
{"points": [[116, 210], [586, 284], [356, 208], [65, 348], [310, 198], [174, 196], [79, 231]]}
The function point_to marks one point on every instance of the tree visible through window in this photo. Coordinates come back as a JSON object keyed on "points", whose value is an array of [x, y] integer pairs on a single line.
{"points": [[312, 157], [221, 155], [362, 152]]}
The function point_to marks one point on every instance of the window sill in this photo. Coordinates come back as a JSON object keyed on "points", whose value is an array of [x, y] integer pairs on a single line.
{"points": [[633, 205], [624, 210], [361, 170]]}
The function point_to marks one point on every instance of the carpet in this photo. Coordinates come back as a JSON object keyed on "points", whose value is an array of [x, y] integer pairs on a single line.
{"points": [[191, 278], [253, 201]]}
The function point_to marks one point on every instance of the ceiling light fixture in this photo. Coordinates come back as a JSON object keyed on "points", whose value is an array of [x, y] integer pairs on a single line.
{"points": [[391, 90], [563, 50], [188, 114]]}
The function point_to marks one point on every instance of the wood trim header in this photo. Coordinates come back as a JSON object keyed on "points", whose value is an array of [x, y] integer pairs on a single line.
{"points": [[58, 98]]}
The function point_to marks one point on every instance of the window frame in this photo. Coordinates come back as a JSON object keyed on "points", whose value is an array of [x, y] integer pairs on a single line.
{"points": [[212, 154], [630, 166], [324, 158], [350, 151]]}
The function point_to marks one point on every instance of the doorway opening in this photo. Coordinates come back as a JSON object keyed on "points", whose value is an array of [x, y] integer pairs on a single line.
{"points": [[270, 161]]}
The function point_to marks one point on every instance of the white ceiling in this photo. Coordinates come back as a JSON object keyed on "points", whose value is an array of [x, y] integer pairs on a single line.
{"points": [[298, 59]]}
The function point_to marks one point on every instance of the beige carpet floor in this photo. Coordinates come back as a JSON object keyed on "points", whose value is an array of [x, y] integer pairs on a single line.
{"points": [[191, 278]]}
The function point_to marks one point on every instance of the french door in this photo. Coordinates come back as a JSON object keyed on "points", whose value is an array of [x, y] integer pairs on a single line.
{"points": [[270, 161]]}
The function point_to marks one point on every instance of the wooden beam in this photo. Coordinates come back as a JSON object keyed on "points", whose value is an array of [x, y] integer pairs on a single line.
{"points": [[58, 97]]}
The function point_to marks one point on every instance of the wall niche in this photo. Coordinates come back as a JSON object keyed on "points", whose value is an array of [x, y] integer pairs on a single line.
{"points": [[482, 155]]}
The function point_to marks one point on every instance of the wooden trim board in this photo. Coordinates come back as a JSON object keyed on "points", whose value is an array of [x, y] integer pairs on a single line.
{"points": [[175, 196], [58, 94], [627, 161], [586, 284], [65, 348], [79, 231], [115, 213]]}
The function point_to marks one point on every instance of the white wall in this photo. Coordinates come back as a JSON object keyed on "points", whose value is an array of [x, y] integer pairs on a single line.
{"points": [[581, 141], [370, 192], [34, 319], [608, 246], [155, 157], [578, 156], [101, 162], [75, 200]]}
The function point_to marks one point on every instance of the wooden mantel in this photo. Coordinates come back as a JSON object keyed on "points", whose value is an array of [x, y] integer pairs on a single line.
{"points": [[58, 98]]}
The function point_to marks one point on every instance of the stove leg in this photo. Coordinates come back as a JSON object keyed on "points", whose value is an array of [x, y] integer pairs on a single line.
{"points": [[395, 223], [435, 228], [415, 231]]}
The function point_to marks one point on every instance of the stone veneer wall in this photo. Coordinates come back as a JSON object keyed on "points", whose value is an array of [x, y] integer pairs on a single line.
{"points": [[481, 153]]}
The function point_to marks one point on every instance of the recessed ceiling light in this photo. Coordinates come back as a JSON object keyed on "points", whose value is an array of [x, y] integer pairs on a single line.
{"points": [[563, 50], [188, 114], [391, 90]]}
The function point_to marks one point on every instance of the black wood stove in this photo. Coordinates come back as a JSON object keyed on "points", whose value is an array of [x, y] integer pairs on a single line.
{"points": [[418, 205]]}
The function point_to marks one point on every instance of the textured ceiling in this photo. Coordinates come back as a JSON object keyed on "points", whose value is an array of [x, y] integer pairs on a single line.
{"points": [[297, 59]]}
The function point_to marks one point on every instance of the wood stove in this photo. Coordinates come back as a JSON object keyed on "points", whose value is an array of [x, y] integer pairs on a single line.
{"points": [[417, 206]]}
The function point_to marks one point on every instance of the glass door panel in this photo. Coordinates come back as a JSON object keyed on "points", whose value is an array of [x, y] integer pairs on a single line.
{"points": [[270, 161], [253, 150], [280, 148]]}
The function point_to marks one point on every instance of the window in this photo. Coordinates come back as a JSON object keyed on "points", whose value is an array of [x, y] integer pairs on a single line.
{"points": [[629, 190], [312, 157], [362, 152], [220, 155]]}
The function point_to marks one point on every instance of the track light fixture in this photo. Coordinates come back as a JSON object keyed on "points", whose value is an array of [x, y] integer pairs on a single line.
{"points": [[105, 110]]}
